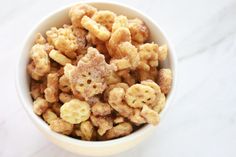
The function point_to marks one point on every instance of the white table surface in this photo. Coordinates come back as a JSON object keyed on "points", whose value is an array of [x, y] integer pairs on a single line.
{"points": [[202, 119]]}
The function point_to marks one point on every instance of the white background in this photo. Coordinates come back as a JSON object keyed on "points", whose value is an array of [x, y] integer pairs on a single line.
{"points": [[202, 119]]}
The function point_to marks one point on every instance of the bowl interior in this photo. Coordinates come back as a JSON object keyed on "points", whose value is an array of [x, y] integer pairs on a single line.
{"points": [[60, 17]]}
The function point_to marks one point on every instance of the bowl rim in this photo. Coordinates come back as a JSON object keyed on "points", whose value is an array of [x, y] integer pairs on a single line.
{"points": [[42, 125]]}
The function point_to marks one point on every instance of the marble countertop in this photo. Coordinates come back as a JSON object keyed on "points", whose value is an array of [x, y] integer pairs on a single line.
{"points": [[202, 119]]}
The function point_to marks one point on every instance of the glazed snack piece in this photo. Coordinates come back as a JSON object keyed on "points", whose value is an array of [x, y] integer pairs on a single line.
{"points": [[88, 77], [75, 111], [40, 105], [95, 28], [61, 126], [139, 31], [77, 12], [121, 129], [64, 40], [51, 92], [98, 77], [138, 95], [105, 18], [40, 64], [165, 80]]}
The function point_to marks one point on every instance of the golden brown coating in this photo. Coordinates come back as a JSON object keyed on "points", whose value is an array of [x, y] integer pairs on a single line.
{"points": [[165, 80], [139, 95], [119, 130], [98, 30], [40, 105], [116, 100], [101, 109], [51, 92], [64, 40], [61, 126], [150, 115], [78, 11], [105, 18], [75, 111], [103, 123], [139, 31], [49, 116]]}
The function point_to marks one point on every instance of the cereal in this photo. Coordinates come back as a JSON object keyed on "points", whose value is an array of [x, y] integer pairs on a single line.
{"points": [[64, 97], [37, 89], [165, 80], [136, 118], [148, 56], [99, 76], [59, 57], [160, 103], [40, 64], [75, 111], [64, 40], [56, 108], [40, 39], [160, 97], [78, 11], [121, 129], [105, 18], [126, 76], [119, 119], [152, 74], [64, 84], [139, 31], [81, 40], [150, 115], [88, 78], [122, 34], [49, 116], [112, 78], [131, 52], [51, 92], [139, 95], [162, 52], [40, 105], [110, 87], [93, 39], [95, 28], [115, 99], [61, 126], [87, 130], [120, 21], [101, 109], [103, 124]]}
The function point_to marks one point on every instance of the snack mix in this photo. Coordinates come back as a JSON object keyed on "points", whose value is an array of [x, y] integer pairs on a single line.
{"points": [[98, 78]]}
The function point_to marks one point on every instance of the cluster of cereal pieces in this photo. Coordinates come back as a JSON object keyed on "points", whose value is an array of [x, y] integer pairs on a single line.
{"points": [[79, 94]]}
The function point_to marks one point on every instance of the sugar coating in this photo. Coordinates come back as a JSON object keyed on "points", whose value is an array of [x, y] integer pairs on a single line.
{"points": [[75, 111], [103, 123], [121, 129], [150, 115], [98, 30], [88, 77], [64, 40], [40, 105], [165, 80], [139, 95], [105, 18], [78, 11], [61, 126], [139, 31]]}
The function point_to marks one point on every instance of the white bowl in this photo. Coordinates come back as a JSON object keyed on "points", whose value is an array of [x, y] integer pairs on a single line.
{"points": [[103, 148]]}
